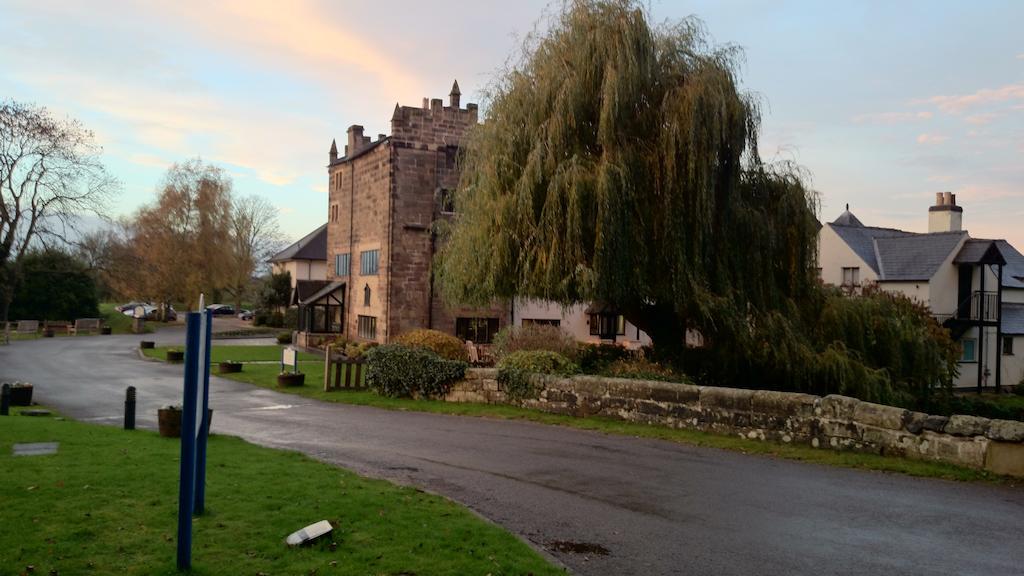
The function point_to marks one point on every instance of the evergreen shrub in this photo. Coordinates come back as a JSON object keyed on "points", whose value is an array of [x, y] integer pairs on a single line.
{"points": [[398, 370], [444, 345]]}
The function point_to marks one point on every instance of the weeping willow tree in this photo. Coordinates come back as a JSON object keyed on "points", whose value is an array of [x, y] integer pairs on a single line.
{"points": [[618, 163]]}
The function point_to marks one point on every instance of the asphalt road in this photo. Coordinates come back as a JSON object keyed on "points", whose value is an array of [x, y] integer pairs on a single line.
{"points": [[656, 507]]}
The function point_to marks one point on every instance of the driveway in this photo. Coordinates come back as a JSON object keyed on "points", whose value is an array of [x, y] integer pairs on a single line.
{"points": [[654, 506]]}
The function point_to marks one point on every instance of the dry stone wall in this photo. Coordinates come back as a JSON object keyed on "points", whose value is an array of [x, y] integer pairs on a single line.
{"points": [[833, 421]]}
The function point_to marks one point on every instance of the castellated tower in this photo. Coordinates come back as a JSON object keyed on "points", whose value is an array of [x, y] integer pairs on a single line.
{"points": [[385, 194]]}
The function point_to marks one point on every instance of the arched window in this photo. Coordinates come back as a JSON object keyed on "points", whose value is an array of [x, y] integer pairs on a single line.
{"points": [[366, 295]]}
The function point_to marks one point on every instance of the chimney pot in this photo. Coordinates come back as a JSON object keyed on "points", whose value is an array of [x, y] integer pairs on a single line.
{"points": [[947, 198], [938, 198], [952, 199], [355, 139]]}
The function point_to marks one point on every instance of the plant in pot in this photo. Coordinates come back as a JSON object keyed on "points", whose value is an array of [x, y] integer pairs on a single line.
{"points": [[106, 330], [147, 344], [169, 420], [48, 332], [175, 355], [287, 379], [229, 367], [21, 394]]}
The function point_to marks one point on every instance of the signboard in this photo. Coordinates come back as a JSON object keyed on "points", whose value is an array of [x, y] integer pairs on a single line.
{"points": [[194, 428], [289, 357]]}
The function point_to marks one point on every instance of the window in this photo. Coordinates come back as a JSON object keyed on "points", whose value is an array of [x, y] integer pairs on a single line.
{"points": [[366, 295], [541, 322], [334, 212], [368, 327], [341, 264], [851, 276], [476, 330], [1008, 345], [968, 345], [447, 200], [607, 326], [369, 261]]}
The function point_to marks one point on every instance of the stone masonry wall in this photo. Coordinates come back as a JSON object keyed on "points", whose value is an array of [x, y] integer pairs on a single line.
{"points": [[833, 421]]}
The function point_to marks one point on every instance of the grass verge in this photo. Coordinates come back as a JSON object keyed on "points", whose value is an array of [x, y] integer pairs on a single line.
{"points": [[265, 376], [219, 353], [118, 322], [106, 503]]}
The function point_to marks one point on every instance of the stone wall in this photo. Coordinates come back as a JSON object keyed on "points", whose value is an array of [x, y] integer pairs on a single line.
{"points": [[833, 421]]}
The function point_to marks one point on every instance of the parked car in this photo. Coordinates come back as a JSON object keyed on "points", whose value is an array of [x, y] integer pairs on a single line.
{"points": [[129, 308], [221, 309], [245, 314], [150, 312]]}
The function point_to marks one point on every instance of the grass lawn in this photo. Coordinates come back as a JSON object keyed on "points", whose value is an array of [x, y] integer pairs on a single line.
{"points": [[106, 503], [265, 376], [271, 353]]}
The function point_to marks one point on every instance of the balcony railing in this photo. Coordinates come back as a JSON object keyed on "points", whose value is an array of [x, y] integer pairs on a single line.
{"points": [[991, 306]]}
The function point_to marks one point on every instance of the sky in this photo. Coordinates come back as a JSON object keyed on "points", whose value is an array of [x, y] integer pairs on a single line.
{"points": [[882, 103]]}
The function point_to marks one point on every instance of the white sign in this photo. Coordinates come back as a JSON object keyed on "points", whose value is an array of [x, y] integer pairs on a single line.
{"points": [[288, 357]]}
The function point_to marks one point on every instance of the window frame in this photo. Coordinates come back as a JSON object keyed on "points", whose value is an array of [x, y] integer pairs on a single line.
{"points": [[338, 260], [366, 327], [974, 351], [469, 329], [369, 262], [854, 276], [1007, 347]]}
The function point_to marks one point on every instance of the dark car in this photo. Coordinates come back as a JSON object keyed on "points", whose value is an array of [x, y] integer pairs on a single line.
{"points": [[221, 309]]}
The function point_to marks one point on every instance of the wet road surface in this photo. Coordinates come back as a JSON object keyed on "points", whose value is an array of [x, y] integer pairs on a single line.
{"points": [[654, 506]]}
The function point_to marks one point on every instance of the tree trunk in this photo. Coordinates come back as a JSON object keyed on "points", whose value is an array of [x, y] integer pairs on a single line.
{"points": [[665, 326]]}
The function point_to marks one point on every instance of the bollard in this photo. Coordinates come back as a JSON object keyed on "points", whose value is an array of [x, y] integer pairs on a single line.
{"points": [[129, 409], [5, 399]]}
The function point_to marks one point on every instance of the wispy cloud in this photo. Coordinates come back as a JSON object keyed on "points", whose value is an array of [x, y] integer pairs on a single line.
{"points": [[979, 119], [927, 138], [892, 117], [321, 188], [1020, 56], [959, 103]]}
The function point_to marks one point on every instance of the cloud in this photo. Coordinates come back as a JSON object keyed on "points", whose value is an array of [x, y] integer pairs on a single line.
{"points": [[979, 119], [940, 178], [927, 138], [149, 160], [957, 104], [285, 209], [1020, 56], [321, 188], [892, 117]]}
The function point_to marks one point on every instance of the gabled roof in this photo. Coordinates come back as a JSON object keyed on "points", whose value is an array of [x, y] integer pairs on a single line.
{"points": [[328, 288], [847, 218], [306, 288], [312, 246], [861, 239], [913, 257], [1013, 273], [1013, 319]]}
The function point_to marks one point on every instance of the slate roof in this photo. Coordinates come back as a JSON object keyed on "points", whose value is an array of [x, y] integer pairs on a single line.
{"points": [[328, 288], [913, 257], [861, 239], [1013, 273], [1013, 319], [306, 288], [312, 246], [848, 219]]}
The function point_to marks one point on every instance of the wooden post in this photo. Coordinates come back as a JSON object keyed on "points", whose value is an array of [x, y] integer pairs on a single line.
{"points": [[327, 368]]}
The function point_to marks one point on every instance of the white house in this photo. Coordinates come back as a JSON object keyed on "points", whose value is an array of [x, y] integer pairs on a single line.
{"points": [[973, 286], [305, 260], [594, 323]]}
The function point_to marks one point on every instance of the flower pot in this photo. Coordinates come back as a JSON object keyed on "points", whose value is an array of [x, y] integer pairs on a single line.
{"points": [[106, 331], [21, 395], [175, 356], [229, 367], [146, 344], [48, 333], [169, 421], [288, 379]]}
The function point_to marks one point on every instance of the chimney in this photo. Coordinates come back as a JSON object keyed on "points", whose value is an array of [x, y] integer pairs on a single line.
{"points": [[334, 151], [455, 95], [355, 139], [945, 216]]}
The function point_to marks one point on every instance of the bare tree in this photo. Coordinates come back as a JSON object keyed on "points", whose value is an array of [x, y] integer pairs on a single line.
{"points": [[50, 173], [254, 239]]}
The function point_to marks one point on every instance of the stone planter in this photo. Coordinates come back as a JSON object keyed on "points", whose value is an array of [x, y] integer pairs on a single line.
{"points": [[147, 344], [21, 395], [48, 333], [288, 379], [229, 367], [106, 330], [175, 356], [169, 421]]}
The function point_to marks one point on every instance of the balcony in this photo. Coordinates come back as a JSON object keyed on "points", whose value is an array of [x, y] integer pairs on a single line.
{"points": [[991, 306]]}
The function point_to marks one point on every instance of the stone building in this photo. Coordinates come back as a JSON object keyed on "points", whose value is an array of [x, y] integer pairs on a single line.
{"points": [[385, 195]]}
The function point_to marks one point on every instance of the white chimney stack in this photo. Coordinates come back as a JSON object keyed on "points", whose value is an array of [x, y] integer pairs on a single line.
{"points": [[945, 216]]}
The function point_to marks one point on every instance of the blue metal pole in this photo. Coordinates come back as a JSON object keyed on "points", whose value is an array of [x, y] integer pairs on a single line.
{"points": [[186, 481], [204, 432]]}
